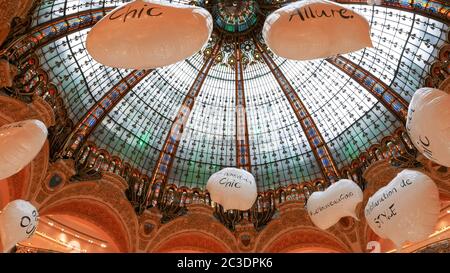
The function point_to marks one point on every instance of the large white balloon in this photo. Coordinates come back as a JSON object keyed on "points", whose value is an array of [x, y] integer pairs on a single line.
{"points": [[146, 34], [20, 143], [338, 200], [428, 124], [233, 189], [314, 29], [407, 209], [18, 222]]}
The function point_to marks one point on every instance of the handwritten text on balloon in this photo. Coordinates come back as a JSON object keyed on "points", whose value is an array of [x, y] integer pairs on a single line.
{"points": [[390, 212], [307, 13], [133, 13]]}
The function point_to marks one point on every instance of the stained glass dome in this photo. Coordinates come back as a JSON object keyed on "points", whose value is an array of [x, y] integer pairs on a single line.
{"points": [[235, 16], [235, 103]]}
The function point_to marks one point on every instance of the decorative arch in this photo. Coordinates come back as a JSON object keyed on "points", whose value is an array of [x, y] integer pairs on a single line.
{"points": [[293, 239], [207, 233], [101, 203], [293, 229], [192, 241]]}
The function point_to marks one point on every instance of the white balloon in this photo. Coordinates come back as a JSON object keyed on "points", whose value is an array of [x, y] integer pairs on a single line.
{"points": [[233, 189], [147, 34], [18, 222], [20, 143], [428, 124], [314, 29], [407, 209], [338, 200]]}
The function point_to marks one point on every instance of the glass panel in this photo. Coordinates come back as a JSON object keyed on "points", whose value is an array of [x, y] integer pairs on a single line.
{"points": [[405, 44], [137, 127], [348, 116], [208, 141], [80, 78]]}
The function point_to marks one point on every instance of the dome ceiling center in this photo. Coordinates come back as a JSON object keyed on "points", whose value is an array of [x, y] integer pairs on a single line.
{"points": [[235, 17]]}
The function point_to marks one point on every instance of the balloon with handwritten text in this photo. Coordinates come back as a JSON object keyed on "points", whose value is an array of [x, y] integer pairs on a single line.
{"points": [[18, 222], [149, 34], [405, 210], [338, 200], [428, 124], [233, 188], [313, 29], [20, 142]]}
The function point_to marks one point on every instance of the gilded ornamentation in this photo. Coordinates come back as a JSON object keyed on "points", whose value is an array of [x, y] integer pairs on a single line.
{"points": [[111, 204], [440, 68], [8, 9], [199, 219], [438, 247], [294, 219], [303, 237], [14, 110]]}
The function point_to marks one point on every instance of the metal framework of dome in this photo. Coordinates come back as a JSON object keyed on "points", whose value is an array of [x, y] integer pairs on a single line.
{"points": [[303, 120]]}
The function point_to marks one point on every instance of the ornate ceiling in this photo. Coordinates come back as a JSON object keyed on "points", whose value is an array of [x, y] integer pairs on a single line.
{"points": [[181, 123], [234, 16]]}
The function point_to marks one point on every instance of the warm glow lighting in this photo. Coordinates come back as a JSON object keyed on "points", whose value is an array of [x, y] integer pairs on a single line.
{"points": [[71, 233], [63, 237], [443, 229], [60, 242]]}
